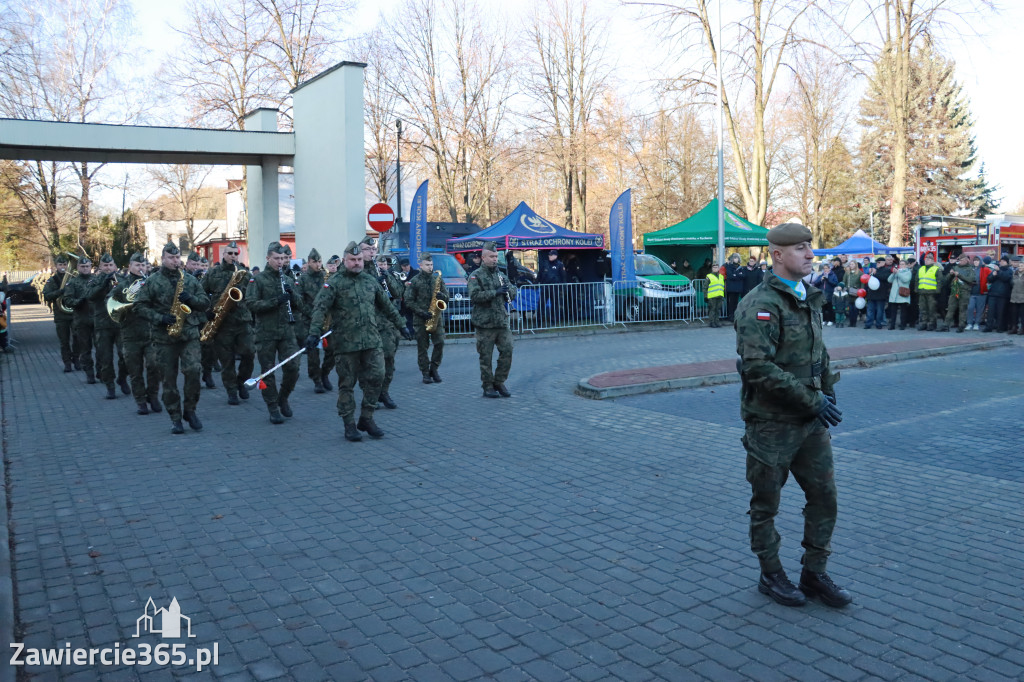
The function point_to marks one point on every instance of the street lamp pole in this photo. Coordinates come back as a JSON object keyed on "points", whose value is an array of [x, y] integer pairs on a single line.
{"points": [[721, 154], [398, 173]]}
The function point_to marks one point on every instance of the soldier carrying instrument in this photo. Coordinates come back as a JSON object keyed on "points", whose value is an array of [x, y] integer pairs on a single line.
{"points": [[393, 288], [106, 332], [75, 298], [310, 284], [425, 287], [52, 292], [489, 291], [234, 334], [136, 340]]}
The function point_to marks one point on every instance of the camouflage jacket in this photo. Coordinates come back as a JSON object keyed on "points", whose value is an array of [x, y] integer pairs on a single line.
{"points": [[967, 277], [263, 296], [420, 292], [51, 292], [214, 283], [310, 284], [488, 305], [99, 287], [784, 362], [76, 295], [134, 327], [397, 288], [353, 302], [155, 298]]}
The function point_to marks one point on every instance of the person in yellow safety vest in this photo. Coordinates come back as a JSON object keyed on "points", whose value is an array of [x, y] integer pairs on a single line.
{"points": [[929, 283], [716, 296]]}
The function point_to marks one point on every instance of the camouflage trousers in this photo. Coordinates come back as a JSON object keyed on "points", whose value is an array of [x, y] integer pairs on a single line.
{"points": [[956, 310], [927, 303], [423, 341], [366, 366], [329, 362], [775, 450], [106, 341], [270, 352], [143, 371], [486, 340], [389, 345], [715, 311], [64, 337], [228, 342], [206, 357], [83, 333], [168, 357]]}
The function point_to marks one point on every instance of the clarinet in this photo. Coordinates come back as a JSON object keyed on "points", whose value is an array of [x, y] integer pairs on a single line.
{"points": [[384, 281], [291, 317]]}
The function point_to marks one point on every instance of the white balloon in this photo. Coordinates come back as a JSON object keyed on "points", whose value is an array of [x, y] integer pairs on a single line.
{"points": [[861, 303], [873, 283]]}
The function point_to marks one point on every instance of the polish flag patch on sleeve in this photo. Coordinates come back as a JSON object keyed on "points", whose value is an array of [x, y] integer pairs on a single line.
{"points": [[764, 316]]}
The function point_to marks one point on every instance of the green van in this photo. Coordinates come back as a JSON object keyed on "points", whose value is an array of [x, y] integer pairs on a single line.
{"points": [[660, 293]]}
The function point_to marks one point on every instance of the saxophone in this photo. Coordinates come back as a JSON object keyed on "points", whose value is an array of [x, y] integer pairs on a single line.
{"points": [[178, 309], [231, 295], [437, 306]]}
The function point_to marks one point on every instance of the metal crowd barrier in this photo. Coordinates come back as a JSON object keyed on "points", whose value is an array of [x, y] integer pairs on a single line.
{"points": [[540, 307]]}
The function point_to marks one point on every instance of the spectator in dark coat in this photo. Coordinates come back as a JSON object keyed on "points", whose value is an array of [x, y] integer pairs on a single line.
{"points": [[550, 304], [704, 269], [828, 283], [878, 299], [752, 276], [735, 281], [1000, 285]]}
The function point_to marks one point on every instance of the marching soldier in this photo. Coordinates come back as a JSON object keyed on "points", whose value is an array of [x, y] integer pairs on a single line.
{"points": [[310, 284], [234, 336], [136, 335], [393, 289], [194, 267], [156, 303], [271, 298], [75, 297], [354, 300], [418, 296], [327, 366], [62, 320], [106, 333], [489, 291]]}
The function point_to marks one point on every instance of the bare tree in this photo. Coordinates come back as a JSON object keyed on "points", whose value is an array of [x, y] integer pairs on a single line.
{"points": [[184, 183], [381, 104]]}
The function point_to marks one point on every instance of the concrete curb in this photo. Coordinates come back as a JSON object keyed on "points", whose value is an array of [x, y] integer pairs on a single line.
{"points": [[587, 390]]}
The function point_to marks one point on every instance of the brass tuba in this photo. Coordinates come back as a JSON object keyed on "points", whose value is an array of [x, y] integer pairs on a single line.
{"points": [[228, 298], [437, 306]]}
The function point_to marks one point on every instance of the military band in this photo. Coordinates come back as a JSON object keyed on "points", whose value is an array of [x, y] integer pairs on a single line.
{"points": [[62, 319], [75, 298], [310, 284], [106, 332], [230, 334], [136, 338], [424, 291]]}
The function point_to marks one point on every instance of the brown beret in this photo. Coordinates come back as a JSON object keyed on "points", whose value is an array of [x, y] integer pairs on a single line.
{"points": [[788, 234]]}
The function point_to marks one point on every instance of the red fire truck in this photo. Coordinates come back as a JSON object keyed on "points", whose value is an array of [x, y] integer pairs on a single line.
{"points": [[942, 236]]}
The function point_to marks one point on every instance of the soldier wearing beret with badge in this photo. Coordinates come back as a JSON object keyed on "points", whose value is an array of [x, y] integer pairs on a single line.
{"points": [[51, 294], [788, 403]]}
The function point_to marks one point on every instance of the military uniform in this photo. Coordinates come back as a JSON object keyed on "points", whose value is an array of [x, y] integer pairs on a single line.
{"points": [[961, 278], [786, 377], [490, 319], [418, 296], [275, 335], [354, 301], [929, 283], [62, 320], [389, 336], [76, 297], [106, 332], [310, 284], [136, 344], [716, 296], [327, 365], [154, 304], [234, 336]]}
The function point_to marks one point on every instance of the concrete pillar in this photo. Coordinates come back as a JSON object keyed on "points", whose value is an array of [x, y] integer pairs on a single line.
{"points": [[262, 213], [330, 172]]}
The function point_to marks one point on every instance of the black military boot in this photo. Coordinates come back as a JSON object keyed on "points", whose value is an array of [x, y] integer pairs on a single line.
{"points": [[502, 391], [154, 404], [352, 433], [143, 407], [434, 375], [777, 586], [386, 401], [821, 586], [125, 388], [326, 382], [233, 399], [68, 367], [275, 416], [111, 394], [76, 365], [284, 407], [489, 392], [243, 392], [208, 379], [176, 427], [90, 377], [318, 387], [193, 421], [427, 379], [367, 424], [217, 366]]}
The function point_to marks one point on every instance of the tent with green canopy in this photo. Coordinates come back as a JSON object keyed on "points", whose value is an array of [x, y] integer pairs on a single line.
{"points": [[695, 237]]}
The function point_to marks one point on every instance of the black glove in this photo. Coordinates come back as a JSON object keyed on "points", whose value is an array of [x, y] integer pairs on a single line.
{"points": [[287, 289], [381, 279], [210, 315], [311, 342], [167, 320], [829, 414], [424, 315], [284, 298], [406, 334], [502, 290], [184, 298]]}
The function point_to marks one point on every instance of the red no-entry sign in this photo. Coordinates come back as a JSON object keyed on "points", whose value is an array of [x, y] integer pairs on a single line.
{"points": [[381, 217]]}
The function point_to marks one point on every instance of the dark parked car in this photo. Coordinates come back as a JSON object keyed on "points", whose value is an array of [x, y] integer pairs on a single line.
{"points": [[22, 292]]}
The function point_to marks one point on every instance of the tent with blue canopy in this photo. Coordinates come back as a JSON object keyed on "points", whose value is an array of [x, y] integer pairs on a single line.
{"points": [[523, 229], [861, 244]]}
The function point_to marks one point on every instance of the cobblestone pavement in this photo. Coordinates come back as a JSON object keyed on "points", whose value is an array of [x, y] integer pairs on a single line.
{"points": [[547, 537]]}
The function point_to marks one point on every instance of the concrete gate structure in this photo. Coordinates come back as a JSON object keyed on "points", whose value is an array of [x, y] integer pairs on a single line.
{"points": [[325, 149]]}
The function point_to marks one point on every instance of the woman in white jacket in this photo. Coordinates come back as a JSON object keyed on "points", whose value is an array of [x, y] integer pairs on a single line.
{"points": [[900, 279]]}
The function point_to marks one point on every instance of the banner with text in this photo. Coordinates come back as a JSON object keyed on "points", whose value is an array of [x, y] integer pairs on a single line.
{"points": [[620, 232], [418, 225]]}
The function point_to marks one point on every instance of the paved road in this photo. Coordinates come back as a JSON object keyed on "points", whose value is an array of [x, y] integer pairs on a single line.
{"points": [[547, 537]]}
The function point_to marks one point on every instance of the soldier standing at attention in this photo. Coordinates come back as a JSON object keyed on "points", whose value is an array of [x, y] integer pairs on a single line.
{"points": [[716, 296], [354, 299], [136, 334], [418, 296], [51, 292], [234, 336], [788, 403], [310, 284], [75, 294], [106, 333], [156, 303], [271, 297], [393, 289], [489, 291]]}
